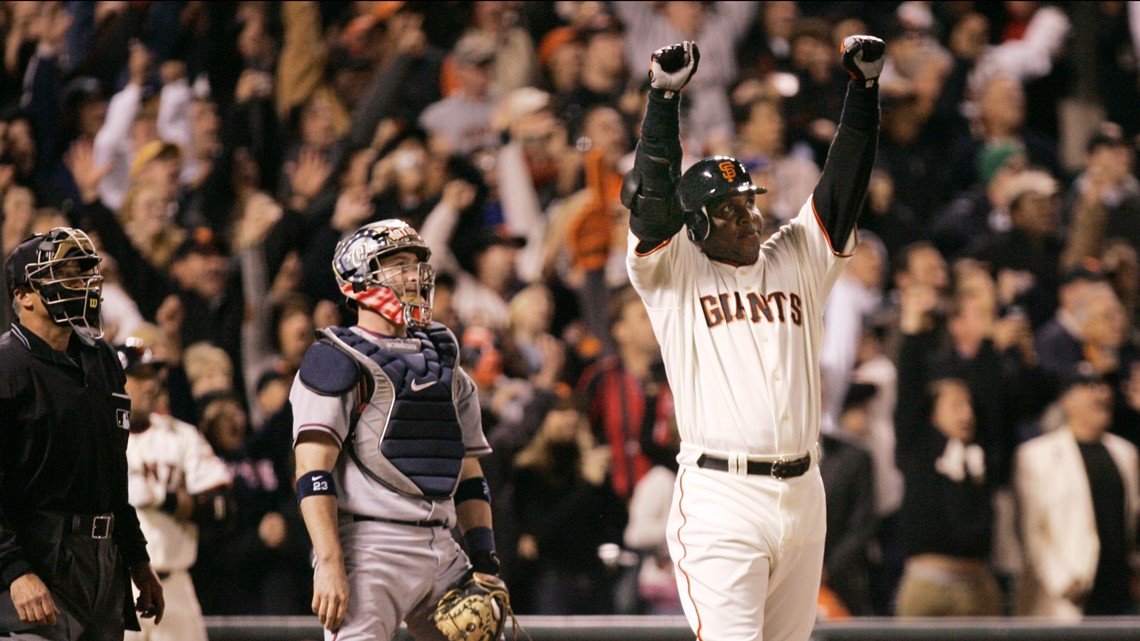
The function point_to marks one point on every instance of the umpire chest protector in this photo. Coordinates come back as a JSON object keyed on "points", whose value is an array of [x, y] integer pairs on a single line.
{"points": [[406, 435]]}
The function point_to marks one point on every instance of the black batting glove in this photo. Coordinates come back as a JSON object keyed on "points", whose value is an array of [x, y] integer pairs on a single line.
{"points": [[863, 58], [671, 68]]}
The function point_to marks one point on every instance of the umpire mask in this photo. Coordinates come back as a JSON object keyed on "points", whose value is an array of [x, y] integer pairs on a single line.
{"points": [[62, 266]]}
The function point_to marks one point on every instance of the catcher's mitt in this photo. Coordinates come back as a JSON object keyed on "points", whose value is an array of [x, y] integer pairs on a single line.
{"points": [[476, 609]]}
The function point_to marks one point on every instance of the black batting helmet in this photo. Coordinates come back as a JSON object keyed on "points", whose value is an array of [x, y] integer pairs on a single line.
{"points": [[707, 181]]}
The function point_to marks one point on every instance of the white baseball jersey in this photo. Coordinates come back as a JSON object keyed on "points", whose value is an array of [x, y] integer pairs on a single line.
{"points": [[168, 456], [741, 344]]}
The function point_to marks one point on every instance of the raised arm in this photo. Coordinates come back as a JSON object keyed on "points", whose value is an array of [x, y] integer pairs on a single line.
{"points": [[650, 187], [842, 188]]}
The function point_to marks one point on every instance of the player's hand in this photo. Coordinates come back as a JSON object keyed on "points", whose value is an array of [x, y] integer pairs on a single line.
{"points": [[863, 58], [330, 594], [33, 600], [670, 68], [150, 603]]}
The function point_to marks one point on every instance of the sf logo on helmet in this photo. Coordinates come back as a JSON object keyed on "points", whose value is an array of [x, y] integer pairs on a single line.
{"points": [[728, 170]]}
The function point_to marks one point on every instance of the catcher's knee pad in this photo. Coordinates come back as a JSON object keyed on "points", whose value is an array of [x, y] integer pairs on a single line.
{"points": [[476, 609]]}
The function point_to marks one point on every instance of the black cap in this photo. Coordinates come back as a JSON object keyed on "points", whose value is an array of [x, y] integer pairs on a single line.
{"points": [[39, 247], [1087, 270], [137, 359], [1083, 373], [599, 23], [200, 240], [82, 89], [488, 237], [16, 268]]}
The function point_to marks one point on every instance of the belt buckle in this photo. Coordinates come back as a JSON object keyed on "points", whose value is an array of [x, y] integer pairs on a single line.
{"points": [[783, 468], [101, 527]]}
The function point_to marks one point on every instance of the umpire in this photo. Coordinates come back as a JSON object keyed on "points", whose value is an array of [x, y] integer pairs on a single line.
{"points": [[68, 536]]}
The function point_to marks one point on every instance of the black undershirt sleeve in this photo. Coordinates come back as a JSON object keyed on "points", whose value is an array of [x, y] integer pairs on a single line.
{"points": [[842, 187], [650, 187]]}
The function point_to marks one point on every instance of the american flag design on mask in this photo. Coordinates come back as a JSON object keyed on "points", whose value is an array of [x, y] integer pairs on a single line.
{"points": [[380, 299]]}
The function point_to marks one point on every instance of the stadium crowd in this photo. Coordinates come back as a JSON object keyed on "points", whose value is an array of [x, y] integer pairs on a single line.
{"points": [[216, 152]]}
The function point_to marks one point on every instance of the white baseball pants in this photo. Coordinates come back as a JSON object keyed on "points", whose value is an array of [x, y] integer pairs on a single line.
{"points": [[748, 553]]}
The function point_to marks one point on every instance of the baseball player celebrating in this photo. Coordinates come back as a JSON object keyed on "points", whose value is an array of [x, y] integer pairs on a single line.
{"points": [[386, 433], [175, 482], [740, 326]]}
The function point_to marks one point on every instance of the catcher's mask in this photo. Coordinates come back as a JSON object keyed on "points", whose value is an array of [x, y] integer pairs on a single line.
{"points": [[476, 609], [705, 183], [61, 266], [401, 293]]}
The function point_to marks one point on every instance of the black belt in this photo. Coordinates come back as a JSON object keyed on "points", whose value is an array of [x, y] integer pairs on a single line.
{"points": [[356, 518], [98, 526], [775, 469]]}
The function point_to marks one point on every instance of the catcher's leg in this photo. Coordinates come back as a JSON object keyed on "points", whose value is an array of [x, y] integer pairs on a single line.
{"points": [[453, 566], [388, 567]]}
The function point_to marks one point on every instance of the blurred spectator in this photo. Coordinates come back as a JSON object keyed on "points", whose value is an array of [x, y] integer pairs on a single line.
{"points": [[1079, 495], [1000, 114], [530, 352], [484, 282], [849, 480], [885, 217], [1106, 345], [1059, 341], [145, 219], [1103, 202], [760, 145], [1121, 264], [590, 223], [815, 108], [1025, 261], [648, 516], [878, 438], [209, 371], [561, 487], [919, 267], [983, 209], [767, 47], [560, 59], [948, 484], [603, 72], [514, 51], [1117, 50], [463, 119], [127, 128], [718, 27], [287, 333], [857, 294], [1031, 44], [626, 394], [259, 565]]}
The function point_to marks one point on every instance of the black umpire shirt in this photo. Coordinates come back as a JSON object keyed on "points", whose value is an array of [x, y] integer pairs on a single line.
{"points": [[63, 441]]}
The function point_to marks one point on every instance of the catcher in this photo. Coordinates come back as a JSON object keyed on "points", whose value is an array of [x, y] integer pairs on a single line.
{"points": [[387, 432]]}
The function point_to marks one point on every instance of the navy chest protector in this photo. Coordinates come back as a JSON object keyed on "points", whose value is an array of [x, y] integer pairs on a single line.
{"points": [[406, 433]]}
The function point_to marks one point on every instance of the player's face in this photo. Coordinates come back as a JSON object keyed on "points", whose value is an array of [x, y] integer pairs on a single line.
{"points": [[735, 233]]}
